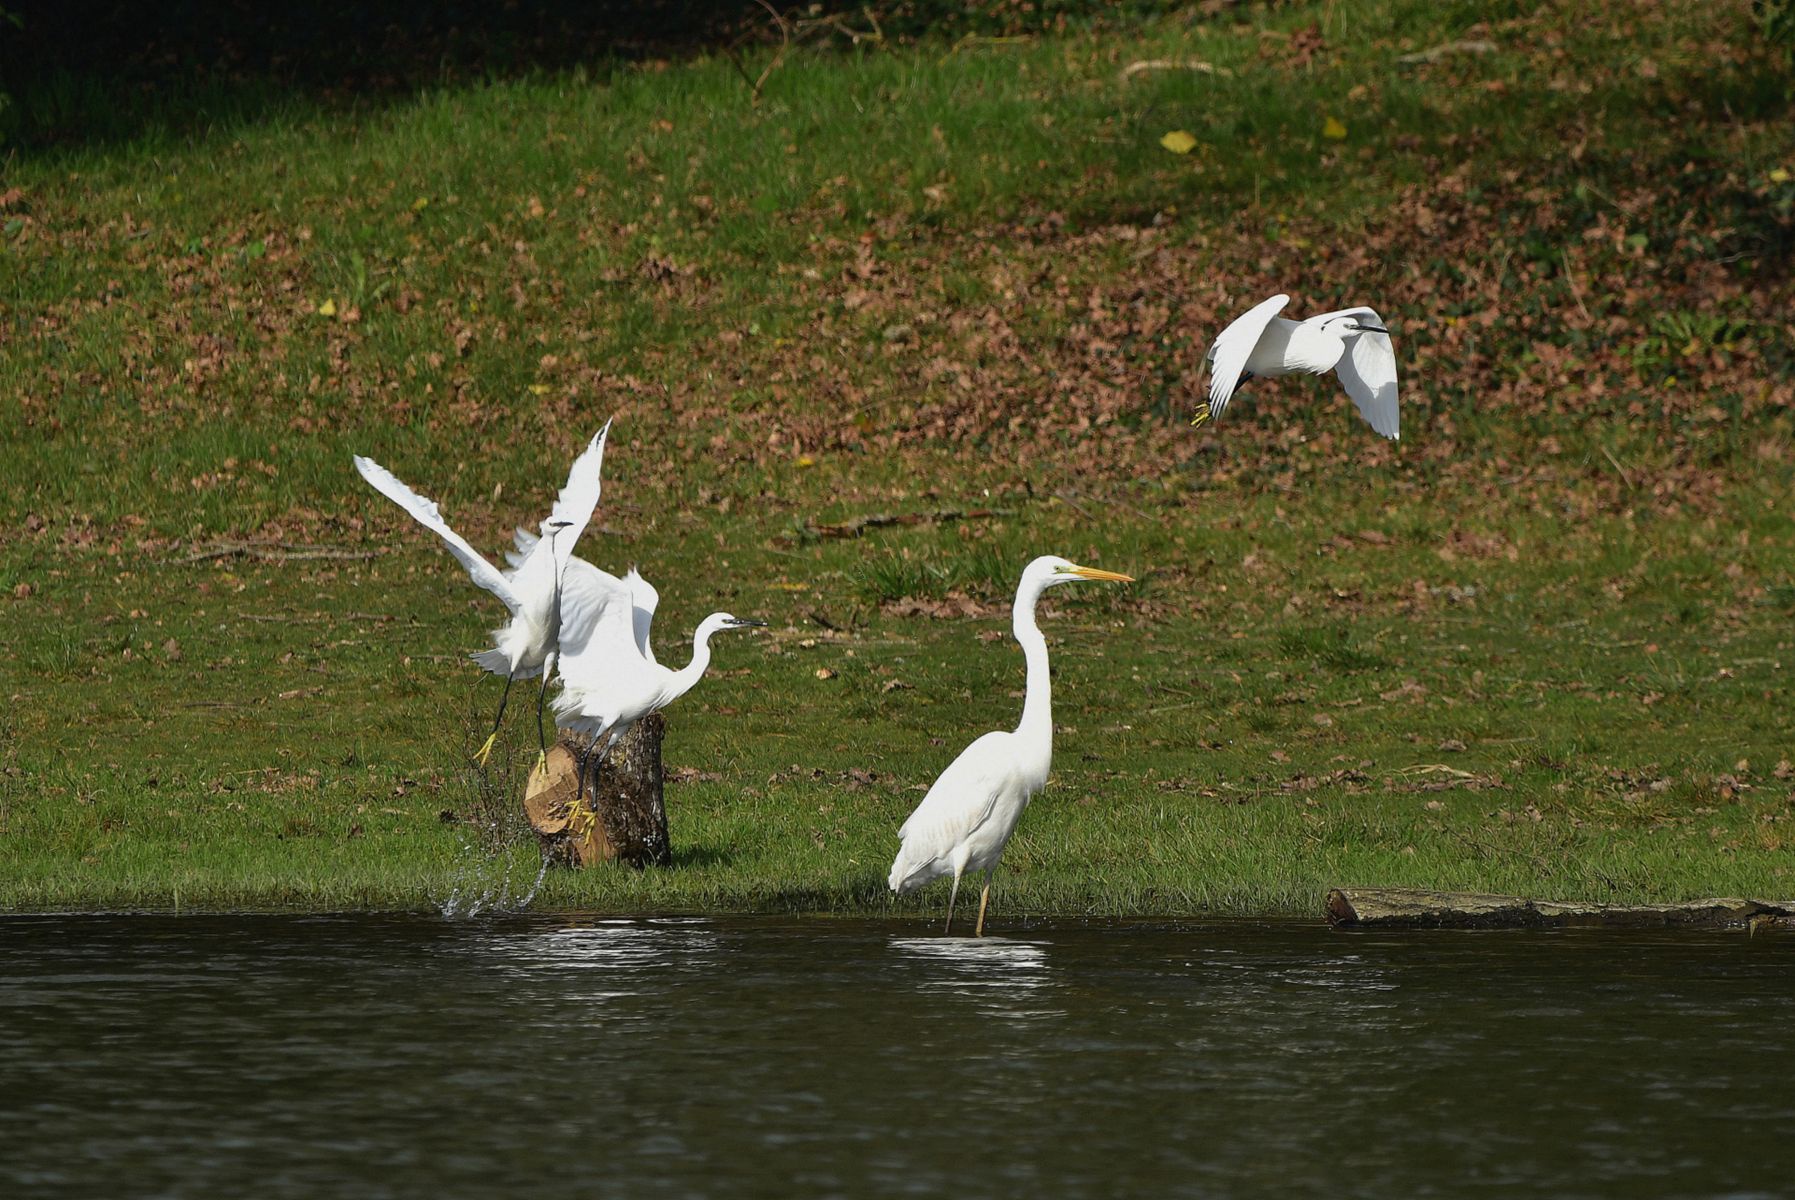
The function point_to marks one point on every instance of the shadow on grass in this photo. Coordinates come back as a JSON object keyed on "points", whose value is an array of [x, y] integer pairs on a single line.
{"points": [[868, 894], [88, 72], [97, 71], [688, 857]]}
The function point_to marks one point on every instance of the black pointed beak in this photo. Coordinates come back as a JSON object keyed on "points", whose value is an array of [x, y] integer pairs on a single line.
{"points": [[746, 623], [1370, 328]]}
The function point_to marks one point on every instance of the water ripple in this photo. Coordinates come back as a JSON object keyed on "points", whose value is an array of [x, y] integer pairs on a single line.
{"points": [[687, 1056]]}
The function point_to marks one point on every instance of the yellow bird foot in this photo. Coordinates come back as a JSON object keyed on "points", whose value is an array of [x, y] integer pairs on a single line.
{"points": [[1202, 416], [542, 762], [581, 820], [485, 752]]}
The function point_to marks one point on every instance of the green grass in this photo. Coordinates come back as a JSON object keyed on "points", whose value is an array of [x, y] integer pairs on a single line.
{"points": [[1542, 646], [1221, 755]]}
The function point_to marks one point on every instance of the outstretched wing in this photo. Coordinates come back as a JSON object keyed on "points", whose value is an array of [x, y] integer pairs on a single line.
{"points": [[580, 495], [598, 638], [1228, 357], [1368, 369], [426, 514], [643, 601]]}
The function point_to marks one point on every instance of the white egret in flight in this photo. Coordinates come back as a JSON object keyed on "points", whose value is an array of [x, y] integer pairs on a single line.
{"points": [[609, 676], [1352, 343], [531, 589], [970, 813]]}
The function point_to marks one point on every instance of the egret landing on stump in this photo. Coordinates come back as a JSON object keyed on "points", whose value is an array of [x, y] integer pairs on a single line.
{"points": [[531, 590], [609, 676]]}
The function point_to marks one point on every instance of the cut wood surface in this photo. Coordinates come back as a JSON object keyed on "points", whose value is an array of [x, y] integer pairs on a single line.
{"points": [[549, 803], [1396, 907], [623, 816]]}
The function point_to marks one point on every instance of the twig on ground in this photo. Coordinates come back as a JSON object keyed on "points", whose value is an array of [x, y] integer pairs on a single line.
{"points": [[273, 552], [1074, 505], [1625, 475], [1133, 508], [1434, 769], [1446, 50], [978, 39], [856, 526], [1571, 278], [1144, 65]]}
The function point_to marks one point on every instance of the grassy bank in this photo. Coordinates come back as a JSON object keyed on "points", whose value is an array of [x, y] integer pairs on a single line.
{"points": [[1541, 646]]}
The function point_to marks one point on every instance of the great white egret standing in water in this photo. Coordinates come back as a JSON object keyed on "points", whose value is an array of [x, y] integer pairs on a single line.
{"points": [[968, 816], [531, 590], [609, 676], [1352, 343]]}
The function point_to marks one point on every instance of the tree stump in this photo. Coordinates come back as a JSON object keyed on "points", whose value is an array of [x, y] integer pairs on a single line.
{"points": [[622, 816]]}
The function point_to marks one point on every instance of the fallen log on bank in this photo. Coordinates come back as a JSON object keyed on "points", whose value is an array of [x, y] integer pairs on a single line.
{"points": [[622, 817], [1415, 908]]}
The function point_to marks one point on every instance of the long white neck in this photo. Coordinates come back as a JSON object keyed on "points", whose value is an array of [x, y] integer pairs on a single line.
{"points": [[683, 680], [1037, 707], [558, 563]]}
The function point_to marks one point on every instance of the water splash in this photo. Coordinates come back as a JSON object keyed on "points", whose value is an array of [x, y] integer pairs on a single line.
{"points": [[489, 875], [488, 882]]}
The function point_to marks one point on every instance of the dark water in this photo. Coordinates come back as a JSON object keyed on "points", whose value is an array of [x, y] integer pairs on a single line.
{"points": [[369, 1057]]}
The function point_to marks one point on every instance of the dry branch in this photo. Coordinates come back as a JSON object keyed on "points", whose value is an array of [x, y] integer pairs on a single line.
{"points": [[272, 552], [836, 23], [1144, 65], [856, 526], [785, 42], [981, 39], [1447, 49]]}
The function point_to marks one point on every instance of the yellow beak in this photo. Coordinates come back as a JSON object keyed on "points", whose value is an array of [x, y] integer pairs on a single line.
{"points": [[1094, 573]]}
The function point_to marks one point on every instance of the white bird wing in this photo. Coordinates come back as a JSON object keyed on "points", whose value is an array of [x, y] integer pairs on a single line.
{"points": [[1232, 348], [1368, 370], [961, 801], [598, 639], [643, 601], [426, 514], [525, 541], [580, 495]]}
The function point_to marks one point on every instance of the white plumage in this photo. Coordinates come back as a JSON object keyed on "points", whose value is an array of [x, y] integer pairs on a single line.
{"points": [[1352, 343], [609, 676], [522, 647], [969, 814]]}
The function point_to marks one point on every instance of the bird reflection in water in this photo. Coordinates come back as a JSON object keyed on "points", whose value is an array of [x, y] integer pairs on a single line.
{"points": [[608, 966], [1005, 975]]}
